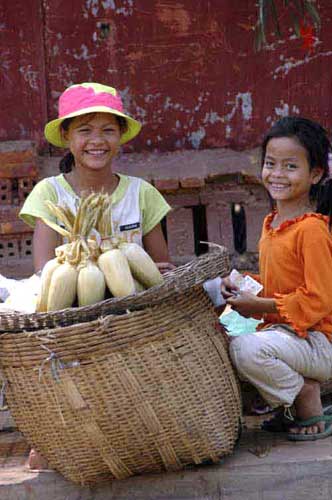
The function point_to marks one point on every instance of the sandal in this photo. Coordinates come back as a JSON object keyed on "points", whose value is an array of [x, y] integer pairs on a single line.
{"points": [[327, 417]]}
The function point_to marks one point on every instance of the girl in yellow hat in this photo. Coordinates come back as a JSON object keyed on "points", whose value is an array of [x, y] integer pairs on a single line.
{"points": [[93, 125]]}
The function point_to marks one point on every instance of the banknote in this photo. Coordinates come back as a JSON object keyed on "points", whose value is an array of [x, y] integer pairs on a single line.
{"points": [[245, 283]]}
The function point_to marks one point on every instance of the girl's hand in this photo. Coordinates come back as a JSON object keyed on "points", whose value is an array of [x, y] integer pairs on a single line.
{"points": [[245, 304], [227, 288], [165, 267]]}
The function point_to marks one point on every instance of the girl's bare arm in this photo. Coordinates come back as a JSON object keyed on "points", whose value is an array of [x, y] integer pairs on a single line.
{"points": [[156, 246], [44, 242], [248, 304]]}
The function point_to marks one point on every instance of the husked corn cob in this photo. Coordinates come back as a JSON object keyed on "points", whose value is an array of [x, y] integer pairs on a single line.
{"points": [[46, 277], [141, 265], [90, 285], [117, 273], [63, 287]]}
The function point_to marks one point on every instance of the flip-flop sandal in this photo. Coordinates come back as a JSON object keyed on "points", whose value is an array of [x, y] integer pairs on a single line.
{"points": [[327, 417], [281, 423]]}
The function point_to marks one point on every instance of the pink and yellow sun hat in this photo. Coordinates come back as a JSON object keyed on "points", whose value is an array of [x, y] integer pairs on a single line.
{"points": [[86, 98]]}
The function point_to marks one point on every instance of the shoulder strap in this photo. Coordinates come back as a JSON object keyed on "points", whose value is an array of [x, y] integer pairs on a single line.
{"points": [[64, 197], [126, 214]]}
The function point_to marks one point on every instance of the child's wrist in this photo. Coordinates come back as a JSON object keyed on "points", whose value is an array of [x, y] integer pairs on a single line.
{"points": [[267, 306]]}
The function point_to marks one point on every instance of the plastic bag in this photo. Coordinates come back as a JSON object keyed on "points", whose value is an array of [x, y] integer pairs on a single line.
{"points": [[237, 324], [19, 295]]}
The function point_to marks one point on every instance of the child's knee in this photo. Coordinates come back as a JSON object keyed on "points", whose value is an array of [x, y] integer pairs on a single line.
{"points": [[243, 351]]}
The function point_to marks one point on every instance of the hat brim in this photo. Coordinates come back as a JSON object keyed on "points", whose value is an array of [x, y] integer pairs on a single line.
{"points": [[53, 128]]}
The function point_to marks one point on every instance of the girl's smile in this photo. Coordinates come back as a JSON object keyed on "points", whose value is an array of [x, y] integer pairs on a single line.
{"points": [[94, 140], [286, 172]]}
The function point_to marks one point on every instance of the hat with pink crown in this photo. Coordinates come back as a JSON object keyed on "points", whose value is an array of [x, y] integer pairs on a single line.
{"points": [[85, 98]]}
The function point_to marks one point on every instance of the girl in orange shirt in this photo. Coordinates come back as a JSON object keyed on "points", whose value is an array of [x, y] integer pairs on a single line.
{"points": [[292, 353]]}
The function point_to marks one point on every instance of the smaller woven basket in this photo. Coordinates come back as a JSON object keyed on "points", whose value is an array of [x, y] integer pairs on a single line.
{"points": [[142, 391]]}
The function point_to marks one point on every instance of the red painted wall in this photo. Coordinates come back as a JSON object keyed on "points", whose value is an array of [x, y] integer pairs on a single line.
{"points": [[186, 68], [22, 76]]}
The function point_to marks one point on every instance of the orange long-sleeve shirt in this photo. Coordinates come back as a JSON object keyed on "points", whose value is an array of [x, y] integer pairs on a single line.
{"points": [[295, 268]]}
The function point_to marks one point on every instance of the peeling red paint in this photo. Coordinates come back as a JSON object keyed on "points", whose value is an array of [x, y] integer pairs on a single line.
{"points": [[186, 69], [174, 16], [22, 76]]}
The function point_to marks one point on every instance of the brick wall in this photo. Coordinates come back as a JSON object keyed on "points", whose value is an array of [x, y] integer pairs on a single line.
{"points": [[18, 175], [215, 196]]}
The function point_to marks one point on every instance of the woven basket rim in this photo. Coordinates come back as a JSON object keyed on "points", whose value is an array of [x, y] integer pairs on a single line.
{"points": [[207, 266]]}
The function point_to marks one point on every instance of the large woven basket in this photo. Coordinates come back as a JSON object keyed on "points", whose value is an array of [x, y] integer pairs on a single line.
{"points": [[123, 394]]}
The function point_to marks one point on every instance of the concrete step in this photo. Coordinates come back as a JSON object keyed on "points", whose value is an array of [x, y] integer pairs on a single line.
{"points": [[263, 467]]}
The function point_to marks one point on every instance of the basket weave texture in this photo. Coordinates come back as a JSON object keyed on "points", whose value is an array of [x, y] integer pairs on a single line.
{"points": [[126, 394]]}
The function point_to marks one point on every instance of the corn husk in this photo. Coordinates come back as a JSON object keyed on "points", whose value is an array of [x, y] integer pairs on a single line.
{"points": [[138, 286], [117, 273], [63, 286], [46, 278], [90, 285], [141, 265]]}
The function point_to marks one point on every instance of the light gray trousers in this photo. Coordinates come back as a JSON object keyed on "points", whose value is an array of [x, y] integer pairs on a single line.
{"points": [[276, 360]]}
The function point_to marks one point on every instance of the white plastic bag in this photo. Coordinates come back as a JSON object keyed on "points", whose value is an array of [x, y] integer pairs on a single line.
{"points": [[236, 324], [19, 295], [213, 289]]}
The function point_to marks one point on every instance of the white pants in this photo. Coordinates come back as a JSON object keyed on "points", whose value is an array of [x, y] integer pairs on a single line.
{"points": [[276, 360]]}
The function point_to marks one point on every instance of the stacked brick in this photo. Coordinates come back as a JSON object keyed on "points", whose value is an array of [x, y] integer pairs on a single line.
{"points": [[203, 210], [18, 175], [216, 196]]}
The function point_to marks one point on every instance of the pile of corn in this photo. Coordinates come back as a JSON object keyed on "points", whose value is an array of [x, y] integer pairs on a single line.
{"points": [[92, 259]]}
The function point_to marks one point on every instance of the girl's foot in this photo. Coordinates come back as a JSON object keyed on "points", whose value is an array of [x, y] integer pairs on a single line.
{"points": [[307, 405], [37, 461]]}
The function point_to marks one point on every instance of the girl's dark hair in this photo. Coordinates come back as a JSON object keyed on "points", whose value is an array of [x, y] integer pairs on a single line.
{"points": [[67, 163], [313, 138]]}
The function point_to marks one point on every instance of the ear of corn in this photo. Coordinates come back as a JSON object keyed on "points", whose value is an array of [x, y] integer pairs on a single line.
{"points": [[90, 285], [141, 265], [46, 277], [91, 241], [117, 273], [138, 286], [63, 286]]}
